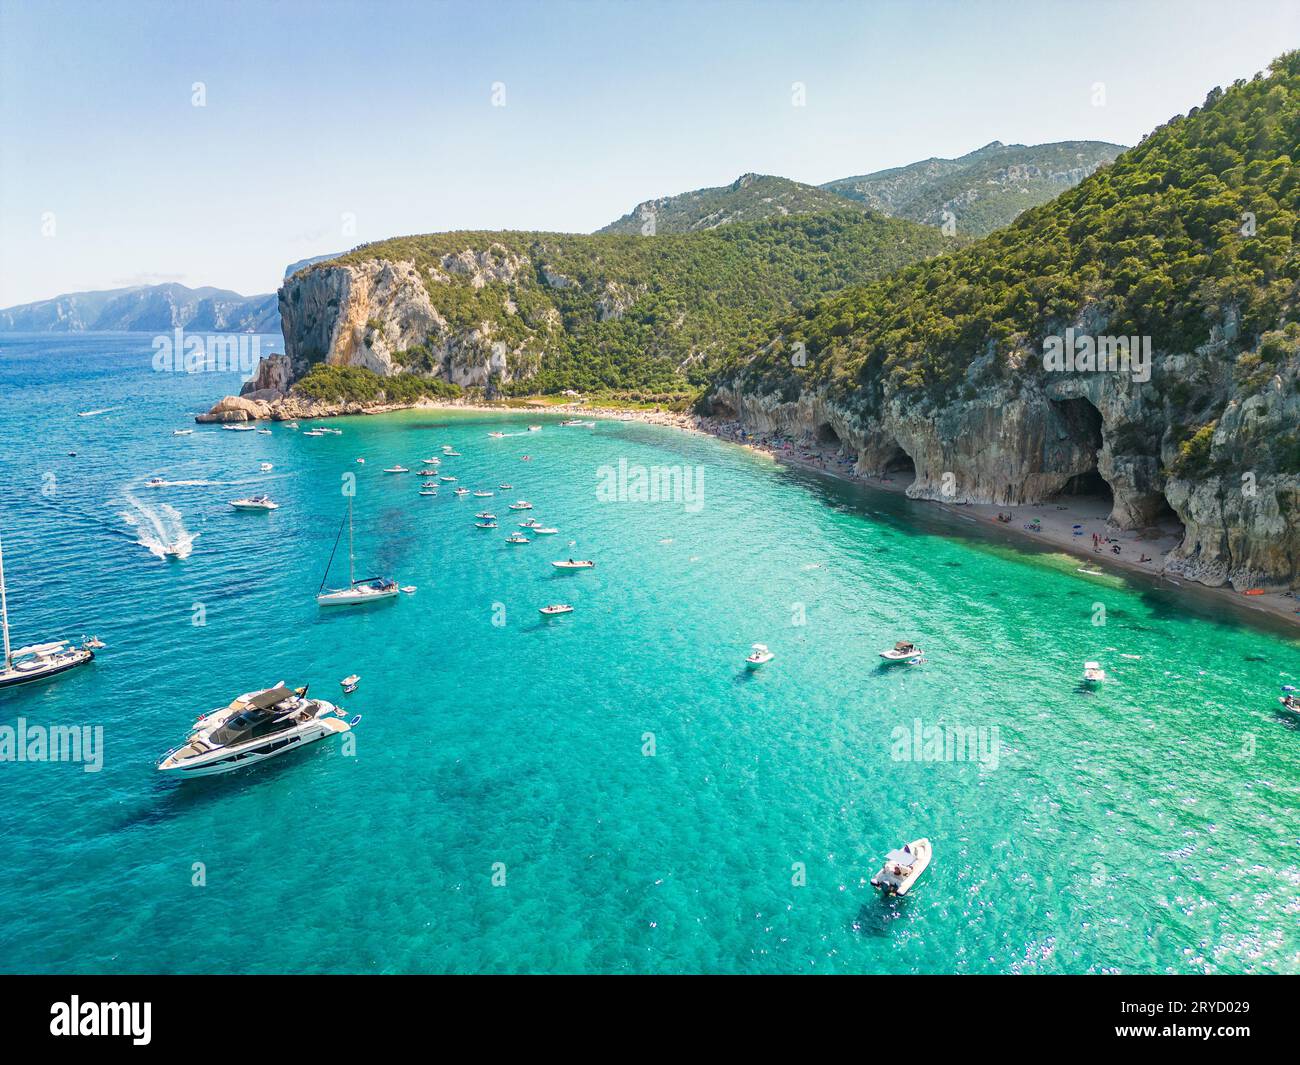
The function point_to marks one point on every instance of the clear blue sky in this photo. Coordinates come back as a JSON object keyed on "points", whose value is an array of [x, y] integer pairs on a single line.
{"points": [[384, 110]]}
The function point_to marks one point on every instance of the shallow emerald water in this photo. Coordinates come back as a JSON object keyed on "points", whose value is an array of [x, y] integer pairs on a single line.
{"points": [[1152, 826]]}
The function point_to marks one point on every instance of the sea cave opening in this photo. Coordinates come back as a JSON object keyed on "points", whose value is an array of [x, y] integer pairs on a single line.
{"points": [[899, 466], [826, 436], [1082, 423]]}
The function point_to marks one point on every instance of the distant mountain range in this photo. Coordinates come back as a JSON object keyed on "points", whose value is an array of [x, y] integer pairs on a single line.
{"points": [[146, 308], [980, 192]]}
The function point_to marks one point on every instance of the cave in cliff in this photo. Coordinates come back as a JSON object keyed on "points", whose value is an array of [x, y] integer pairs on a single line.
{"points": [[1082, 421], [827, 436], [900, 466]]}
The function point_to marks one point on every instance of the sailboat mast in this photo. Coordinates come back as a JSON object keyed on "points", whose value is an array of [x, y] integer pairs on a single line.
{"points": [[4, 606], [352, 562]]}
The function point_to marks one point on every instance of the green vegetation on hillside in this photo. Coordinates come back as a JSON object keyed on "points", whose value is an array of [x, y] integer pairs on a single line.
{"points": [[981, 191], [750, 198], [355, 384], [1194, 228], [623, 313]]}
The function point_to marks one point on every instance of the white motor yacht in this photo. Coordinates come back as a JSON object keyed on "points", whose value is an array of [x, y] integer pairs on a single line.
{"points": [[254, 727], [262, 503], [523, 504], [902, 867]]}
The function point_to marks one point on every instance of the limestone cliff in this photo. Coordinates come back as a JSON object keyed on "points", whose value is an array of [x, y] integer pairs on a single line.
{"points": [[1040, 437]]}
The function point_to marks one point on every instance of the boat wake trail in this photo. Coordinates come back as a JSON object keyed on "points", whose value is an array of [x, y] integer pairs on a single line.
{"points": [[92, 413], [160, 529]]}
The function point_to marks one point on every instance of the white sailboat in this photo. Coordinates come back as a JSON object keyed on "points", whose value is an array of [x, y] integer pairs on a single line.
{"points": [[366, 590], [40, 660]]}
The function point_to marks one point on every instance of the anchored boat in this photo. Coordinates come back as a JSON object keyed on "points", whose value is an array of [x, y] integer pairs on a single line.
{"points": [[902, 651], [40, 660], [759, 656], [252, 728], [366, 590], [903, 867]]}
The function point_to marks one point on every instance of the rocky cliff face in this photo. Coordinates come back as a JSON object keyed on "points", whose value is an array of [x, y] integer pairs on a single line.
{"points": [[1041, 436]]}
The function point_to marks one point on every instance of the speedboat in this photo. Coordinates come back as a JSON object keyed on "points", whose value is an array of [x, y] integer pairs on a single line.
{"points": [[760, 656], [534, 428], [530, 523], [182, 432], [432, 461], [902, 651], [349, 683], [572, 421], [255, 503], [266, 467], [397, 469], [574, 564], [903, 867], [154, 482], [314, 432], [428, 491], [1093, 673], [523, 504], [485, 516], [1289, 698], [452, 454], [496, 436], [265, 432], [517, 538], [447, 477], [482, 494], [461, 492], [429, 484], [254, 727], [431, 472], [504, 487], [240, 428], [539, 531], [485, 525], [555, 608]]}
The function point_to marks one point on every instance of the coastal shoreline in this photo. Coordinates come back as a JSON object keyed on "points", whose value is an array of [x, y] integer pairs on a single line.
{"points": [[1055, 521]]}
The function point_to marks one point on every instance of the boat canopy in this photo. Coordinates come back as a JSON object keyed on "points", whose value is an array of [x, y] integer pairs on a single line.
{"points": [[269, 698], [41, 648], [901, 856], [903, 645], [1092, 665]]}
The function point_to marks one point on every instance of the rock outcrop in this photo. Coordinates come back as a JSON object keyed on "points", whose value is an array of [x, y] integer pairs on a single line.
{"points": [[1041, 436]]}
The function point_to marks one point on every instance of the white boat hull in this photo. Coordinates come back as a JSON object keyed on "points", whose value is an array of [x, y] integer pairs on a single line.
{"points": [[355, 596], [892, 885], [227, 761], [11, 678]]}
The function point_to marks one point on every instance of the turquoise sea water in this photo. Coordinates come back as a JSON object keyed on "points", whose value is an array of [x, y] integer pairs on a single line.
{"points": [[1154, 826]]}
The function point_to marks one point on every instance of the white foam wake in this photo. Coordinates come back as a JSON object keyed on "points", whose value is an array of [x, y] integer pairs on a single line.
{"points": [[160, 528]]}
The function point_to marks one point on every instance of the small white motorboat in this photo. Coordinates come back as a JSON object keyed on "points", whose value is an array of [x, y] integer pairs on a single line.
{"points": [[291, 425], [534, 428], [262, 503], [461, 492], [554, 609], [485, 525], [496, 436], [361, 461], [483, 515], [154, 482], [265, 432], [539, 531], [1093, 673], [266, 467], [397, 469], [530, 523], [240, 428], [182, 432], [902, 651], [482, 494], [452, 454], [903, 867], [349, 684], [1289, 698], [574, 564], [517, 538], [428, 491], [523, 504], [759, 656], [447, 478], [504, 487]]}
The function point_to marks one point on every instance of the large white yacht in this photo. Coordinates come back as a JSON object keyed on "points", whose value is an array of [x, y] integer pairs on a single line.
{"points": [[254, 727]]}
